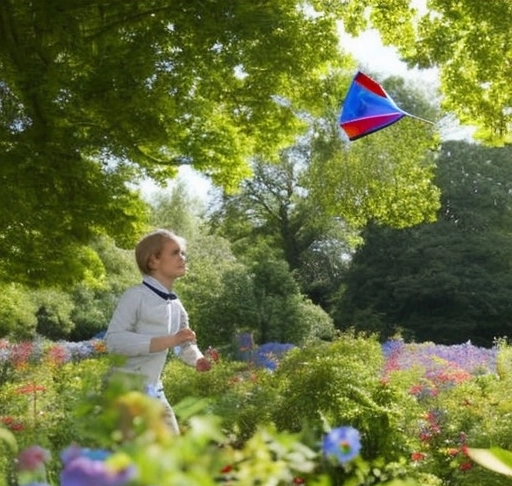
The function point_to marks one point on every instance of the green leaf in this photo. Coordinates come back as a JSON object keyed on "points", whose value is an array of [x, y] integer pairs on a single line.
{"points": [[7, 437], [495, 459]]}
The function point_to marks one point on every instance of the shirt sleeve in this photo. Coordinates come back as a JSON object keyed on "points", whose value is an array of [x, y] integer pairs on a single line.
{"points": [[189, 352], [121, 336]]}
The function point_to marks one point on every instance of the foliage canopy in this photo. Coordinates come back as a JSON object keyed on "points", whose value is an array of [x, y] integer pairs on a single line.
{"points": [[95, 95], [469, 41]]}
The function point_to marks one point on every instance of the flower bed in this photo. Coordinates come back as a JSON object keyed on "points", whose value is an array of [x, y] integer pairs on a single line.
{"points": [[465, 357], [42, 350], [416, 422]]}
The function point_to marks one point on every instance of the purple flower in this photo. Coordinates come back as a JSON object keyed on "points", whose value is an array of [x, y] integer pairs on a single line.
{"points": [[342, 444], [467, 357], [83, 471]]}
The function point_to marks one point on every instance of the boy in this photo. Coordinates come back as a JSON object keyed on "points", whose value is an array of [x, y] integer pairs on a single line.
{"points": [[150, 319]]}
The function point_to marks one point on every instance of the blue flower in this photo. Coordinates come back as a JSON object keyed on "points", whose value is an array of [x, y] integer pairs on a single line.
{"points": [[268, 355], [73, 451], [342, 444]]}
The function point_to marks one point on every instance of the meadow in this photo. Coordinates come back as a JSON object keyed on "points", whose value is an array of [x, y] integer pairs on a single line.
{"points": [[348, 412]]}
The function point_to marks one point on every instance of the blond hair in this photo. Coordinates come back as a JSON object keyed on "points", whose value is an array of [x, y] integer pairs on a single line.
{"points": [[151, 245]]}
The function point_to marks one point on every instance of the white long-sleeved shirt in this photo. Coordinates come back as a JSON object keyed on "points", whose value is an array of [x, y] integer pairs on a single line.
{"points": [[141, 315]]}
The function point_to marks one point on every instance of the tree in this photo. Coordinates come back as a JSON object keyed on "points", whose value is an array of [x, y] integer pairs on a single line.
{"points": [[310, 204], [97, 94], [273, 209], [225, 296], [51, 210], [177, 210], [448, 281], [468, 41], [94, 302], [283, 313]]}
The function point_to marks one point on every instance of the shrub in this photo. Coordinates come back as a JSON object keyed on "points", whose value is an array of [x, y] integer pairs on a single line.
{"points": [[238, 392], [342, 382]]}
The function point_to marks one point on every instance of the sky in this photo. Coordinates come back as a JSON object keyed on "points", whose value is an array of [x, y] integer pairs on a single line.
{"points": [[197, 184], [383, 60]]}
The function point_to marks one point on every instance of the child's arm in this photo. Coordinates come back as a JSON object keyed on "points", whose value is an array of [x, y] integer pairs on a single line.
{"points": [[122, 338], [161, 343]]}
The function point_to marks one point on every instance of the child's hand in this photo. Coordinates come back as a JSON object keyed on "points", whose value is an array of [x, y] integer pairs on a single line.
{"points": [[185, 335], [202, 364]]}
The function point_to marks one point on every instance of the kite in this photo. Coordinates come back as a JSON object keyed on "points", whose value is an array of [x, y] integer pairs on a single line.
{"points": [[368, 108]]}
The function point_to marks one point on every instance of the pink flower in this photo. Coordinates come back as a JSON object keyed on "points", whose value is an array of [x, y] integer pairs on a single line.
{"points": [[21, 353], [416, 389], [32, 458], [58, 354]]}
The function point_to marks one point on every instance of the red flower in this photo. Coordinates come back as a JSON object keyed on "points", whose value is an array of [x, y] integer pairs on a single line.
{"points": [[21, 353], [31, 388], [416, 389], [299, 481], [213, 354], [58, 355], [226, 469], [465, 466], [99, 346], [418, 456], [12, 424], [425, 436]]}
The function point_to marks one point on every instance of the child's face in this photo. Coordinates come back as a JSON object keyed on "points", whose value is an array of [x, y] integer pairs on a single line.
{"points": [[171, 263]]}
